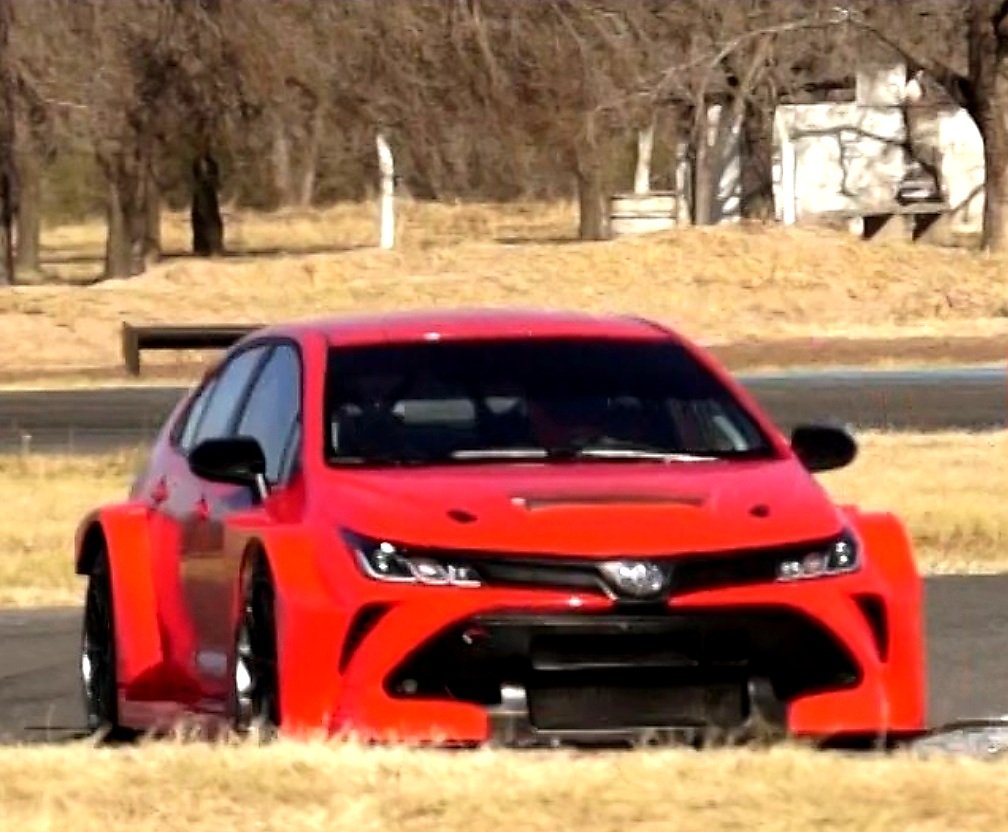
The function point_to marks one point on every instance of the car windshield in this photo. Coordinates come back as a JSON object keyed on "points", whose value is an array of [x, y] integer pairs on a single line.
{"points": [[451, 402]]}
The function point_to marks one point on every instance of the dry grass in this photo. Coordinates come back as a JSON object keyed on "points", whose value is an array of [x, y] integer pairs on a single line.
{"points": [[290, 786], [948, 488], [42, 499], [719, 284]]}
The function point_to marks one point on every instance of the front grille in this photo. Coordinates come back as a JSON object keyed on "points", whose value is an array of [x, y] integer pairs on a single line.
{"points": [[605, 651], [528, 572], [694, 574], [689, 572], [606, 670], [607, 704]]}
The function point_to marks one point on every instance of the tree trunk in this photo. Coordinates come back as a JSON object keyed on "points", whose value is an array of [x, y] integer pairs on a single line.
{"points": [[29, 219], [757, 165], [593, 213], [995, 234], [282, 174], [717, 148], [8, 213], [8, 145], [703, 178], [306, 192], [207, 223], [6, 263], [152, 218], [124, 243], [987, 70]]}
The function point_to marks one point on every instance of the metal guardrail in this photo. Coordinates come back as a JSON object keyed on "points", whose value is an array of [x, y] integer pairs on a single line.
{"points": [[135, 339]]}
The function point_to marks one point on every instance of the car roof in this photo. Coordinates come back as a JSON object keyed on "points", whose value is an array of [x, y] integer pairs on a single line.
{"points": [[429, 325]]}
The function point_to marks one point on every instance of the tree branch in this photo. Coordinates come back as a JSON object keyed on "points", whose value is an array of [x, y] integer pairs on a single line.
{"points": [[1000, 15], [668, 80], [958, 86]]}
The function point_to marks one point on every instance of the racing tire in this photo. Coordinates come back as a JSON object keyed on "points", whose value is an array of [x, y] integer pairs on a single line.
{"points": [[99, 682], [255, 688]]}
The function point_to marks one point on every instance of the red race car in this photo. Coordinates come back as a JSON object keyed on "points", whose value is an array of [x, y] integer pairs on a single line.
{"points": [[515, 527]]}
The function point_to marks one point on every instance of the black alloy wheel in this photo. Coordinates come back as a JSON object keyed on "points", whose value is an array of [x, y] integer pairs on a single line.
{"points": [[98, 656], [255, 685]]}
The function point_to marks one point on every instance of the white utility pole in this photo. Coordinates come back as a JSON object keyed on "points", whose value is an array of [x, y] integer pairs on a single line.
{"points": [[645, 148], [386, 213], [787, 171]]}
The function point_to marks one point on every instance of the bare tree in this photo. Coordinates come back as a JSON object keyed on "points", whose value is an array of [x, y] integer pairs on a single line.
{"points": [[205, 95], [141, 80], [36, 148], [290, 89], [8, 166], [44, 78], [122, 101], [565, 71], [741, 57], [962, 45]]}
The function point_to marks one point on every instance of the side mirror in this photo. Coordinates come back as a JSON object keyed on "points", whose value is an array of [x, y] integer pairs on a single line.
{"points": [[823, 447], [236, 460]]}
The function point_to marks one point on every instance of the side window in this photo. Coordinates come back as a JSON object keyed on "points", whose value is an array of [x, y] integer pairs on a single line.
{"points": [[227, 394], [186, 432], [273, 409]]}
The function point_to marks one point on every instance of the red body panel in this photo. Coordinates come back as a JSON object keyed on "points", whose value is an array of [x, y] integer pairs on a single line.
{"points": [[176, 565]]}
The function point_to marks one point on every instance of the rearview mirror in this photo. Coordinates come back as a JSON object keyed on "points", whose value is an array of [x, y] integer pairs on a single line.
{"points": [[823, 447], [236, 460]]}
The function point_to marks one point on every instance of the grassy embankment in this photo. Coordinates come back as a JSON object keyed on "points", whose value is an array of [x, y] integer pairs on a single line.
{"points": [[757, 287]]}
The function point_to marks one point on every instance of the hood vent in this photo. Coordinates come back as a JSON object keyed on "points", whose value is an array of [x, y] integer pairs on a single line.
{"points": [[537, 502]]}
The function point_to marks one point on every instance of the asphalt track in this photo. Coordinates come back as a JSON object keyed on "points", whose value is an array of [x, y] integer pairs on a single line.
{"points": [[967, 641], [95, 420]]}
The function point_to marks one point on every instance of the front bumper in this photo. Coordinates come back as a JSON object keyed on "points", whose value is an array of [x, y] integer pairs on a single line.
{"points": [[829, 658]]}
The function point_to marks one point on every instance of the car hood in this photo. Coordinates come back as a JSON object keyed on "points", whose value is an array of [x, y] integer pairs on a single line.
{"points": [[587, 508]]}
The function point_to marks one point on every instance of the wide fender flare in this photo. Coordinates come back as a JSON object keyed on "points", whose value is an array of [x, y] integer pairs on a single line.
{"points": [[888, 546], [310, 622], [124, 529]]}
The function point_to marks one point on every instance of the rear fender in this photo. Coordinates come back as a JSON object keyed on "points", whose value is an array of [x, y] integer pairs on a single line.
{"points": [[310, 623], [124, 532]]}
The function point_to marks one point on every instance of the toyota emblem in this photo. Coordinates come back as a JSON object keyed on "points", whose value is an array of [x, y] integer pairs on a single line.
{"points": [[635, 578]]}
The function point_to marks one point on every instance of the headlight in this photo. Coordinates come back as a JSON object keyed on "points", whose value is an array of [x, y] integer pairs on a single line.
{"points": [[841, 556], [386, 561]]}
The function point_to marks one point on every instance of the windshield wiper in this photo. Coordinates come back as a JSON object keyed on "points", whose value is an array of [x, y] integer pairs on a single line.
{"points": [[638, 453], [499, 453], [561, 453], [572, 452], [605, 447]]}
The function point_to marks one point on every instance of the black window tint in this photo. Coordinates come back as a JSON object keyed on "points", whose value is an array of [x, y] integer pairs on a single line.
{"points": [[192, 418], [273, 407], [226, 397], [559, 398]]}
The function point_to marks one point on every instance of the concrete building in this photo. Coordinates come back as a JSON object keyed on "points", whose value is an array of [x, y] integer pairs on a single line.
{"points": [[843, 161], [850, 158]]}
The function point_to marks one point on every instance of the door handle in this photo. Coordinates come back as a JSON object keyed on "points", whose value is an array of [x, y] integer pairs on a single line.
{"points": [[159, 493]]}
